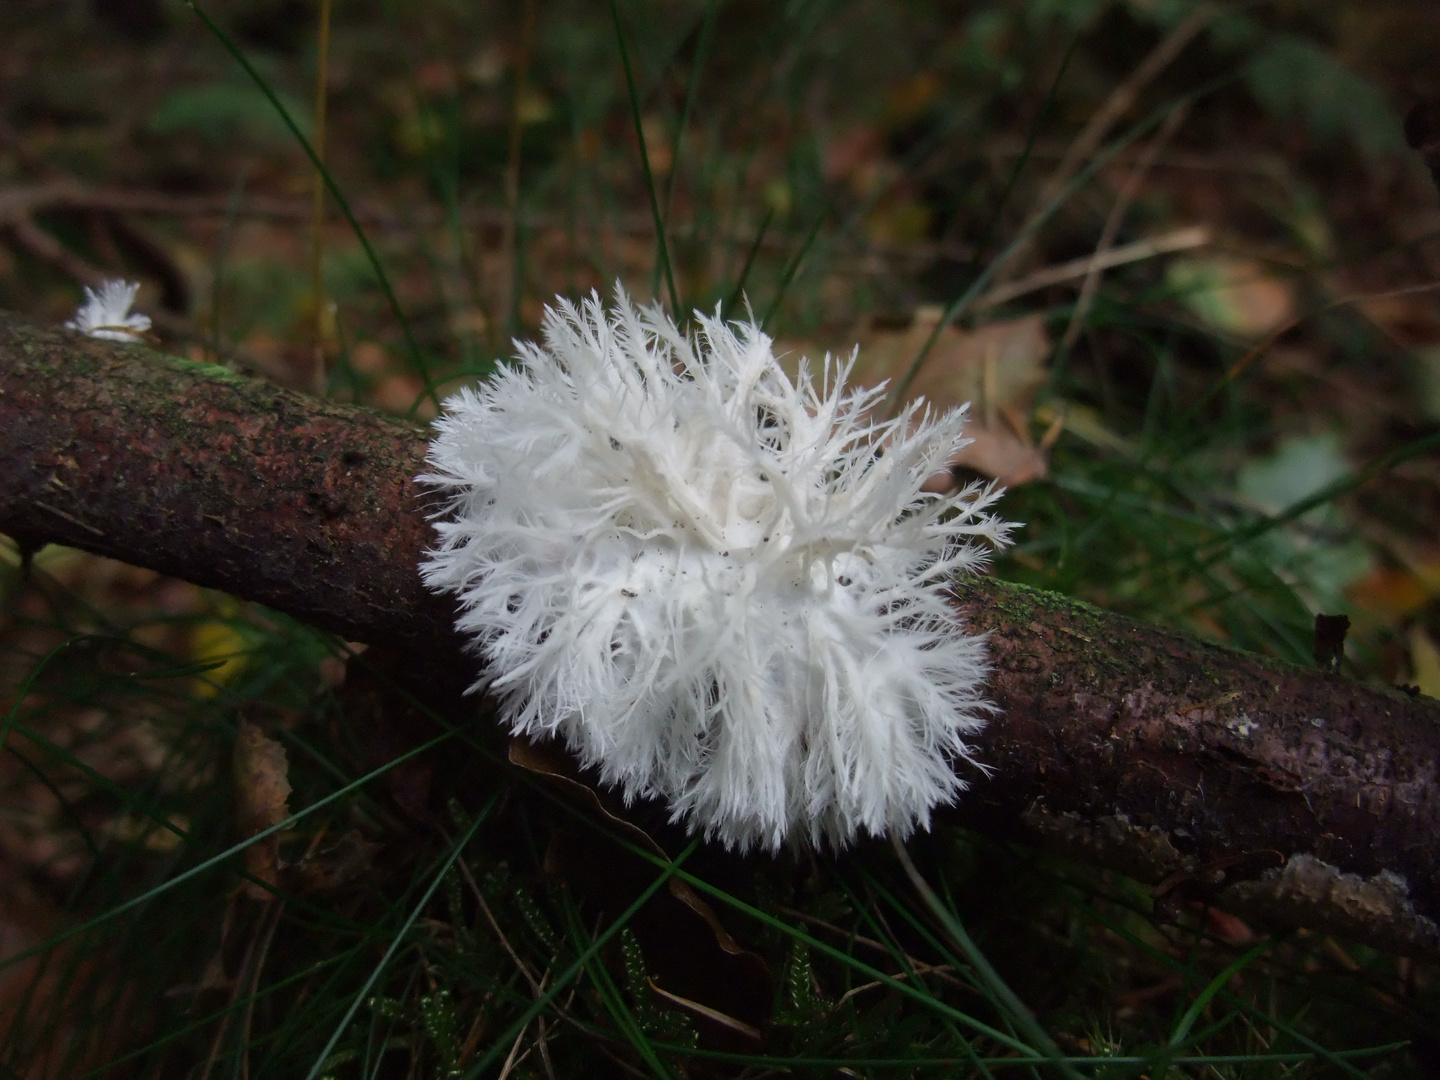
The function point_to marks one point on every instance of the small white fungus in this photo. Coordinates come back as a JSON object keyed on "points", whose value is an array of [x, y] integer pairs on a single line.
{"points": [[719, 587], [106, 314]]}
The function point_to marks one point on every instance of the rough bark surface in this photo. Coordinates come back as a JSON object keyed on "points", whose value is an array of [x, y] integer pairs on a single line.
{"points": [[1280, 793], [1276, 790], [225, 481]]}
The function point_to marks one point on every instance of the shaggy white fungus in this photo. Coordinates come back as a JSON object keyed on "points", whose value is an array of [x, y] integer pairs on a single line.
{"points": [[721, 588]]}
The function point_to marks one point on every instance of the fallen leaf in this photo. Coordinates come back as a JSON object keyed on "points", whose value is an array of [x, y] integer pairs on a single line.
{"points": [[1003, 454], [997, 369], [262, 793], [469, 321], [1321, 549], [218, 640], [1300, 466], [1000, 363], [1412, 320], [1230, 929], [369, 358], [348, 859], [1390, 593], [399, 392], [1235, 296]]}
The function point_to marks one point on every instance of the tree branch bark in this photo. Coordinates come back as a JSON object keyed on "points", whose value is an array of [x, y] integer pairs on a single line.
{"points": [[1283, 794]]}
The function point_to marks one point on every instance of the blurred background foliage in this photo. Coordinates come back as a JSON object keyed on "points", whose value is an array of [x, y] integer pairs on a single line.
{"points": [[1176, 255]]}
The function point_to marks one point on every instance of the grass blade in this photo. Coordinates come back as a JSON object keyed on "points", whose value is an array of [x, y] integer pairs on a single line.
{"points": [[666, 872], [794, 265], [692, 88], [395, 942], [998, 989], [662, 250], [416, 357], [962, 303], [739, 291]]}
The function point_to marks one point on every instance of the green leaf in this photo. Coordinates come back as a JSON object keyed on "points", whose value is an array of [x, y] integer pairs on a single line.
{"points": [[1316, 549], [221, 112], [1296, 79]]}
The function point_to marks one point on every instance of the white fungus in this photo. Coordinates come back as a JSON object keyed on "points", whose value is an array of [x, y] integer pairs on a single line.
{"points": [[719, 587], [106, 314]]}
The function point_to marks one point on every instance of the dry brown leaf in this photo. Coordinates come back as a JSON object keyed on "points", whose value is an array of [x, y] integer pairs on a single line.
{"points": [[1000, 453], [1390, 593], [1412, 320], [1234, 296], [713, 1015], [1000, 363], [262, 791], [369, 358], [997, 368], [1230, 929], [398, 393], [348, 859]]}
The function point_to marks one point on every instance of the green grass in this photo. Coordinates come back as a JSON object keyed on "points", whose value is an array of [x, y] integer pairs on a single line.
{"points": [[423, 963]]}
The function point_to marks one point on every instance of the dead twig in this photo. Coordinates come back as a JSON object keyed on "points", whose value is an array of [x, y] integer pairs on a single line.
{"points": [[1124, 744], [1119, 102], [1123, 199], [1185, 239]]}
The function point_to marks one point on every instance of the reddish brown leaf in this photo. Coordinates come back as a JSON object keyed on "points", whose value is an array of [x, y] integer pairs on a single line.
{"points": [[262, 791]]}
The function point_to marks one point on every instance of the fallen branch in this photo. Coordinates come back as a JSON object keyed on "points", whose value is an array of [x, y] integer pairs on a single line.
{"points": [[1280, 793], [1185, 239]]}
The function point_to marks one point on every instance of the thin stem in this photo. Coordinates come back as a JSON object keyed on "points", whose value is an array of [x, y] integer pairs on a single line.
{"points": [[317, 212], [510, 309], [395, 942], [999, 989], [739, 291], [692, 88], [662, 251], [416, 356]]}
